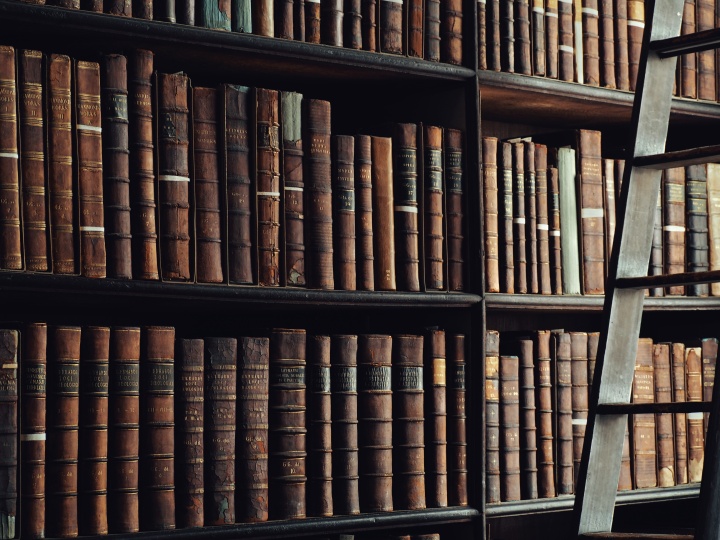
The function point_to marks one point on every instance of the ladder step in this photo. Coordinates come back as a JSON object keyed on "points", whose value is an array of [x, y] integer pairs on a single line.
{"points": [[679, 158], [636, 536], [668, 280], [649, 408], [689, 43]]}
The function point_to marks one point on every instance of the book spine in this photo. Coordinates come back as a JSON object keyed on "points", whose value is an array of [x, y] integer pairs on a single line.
{"points": [[578, 34], [294, 186], [610, 208], [697, 225], [287, 432], [705, 18], [299, 19], [353, 38], [391, 27], [656, 254], [165, 11], [709, 360], [580, 396], [343, 208], [252, 438], [284, 19], [319, 428], [507, 252], [507, 36], [382, 214], [643, 425], [528, 425], [537, 24], [415, 37], [591, 42], [523, 47], [635, 29], [405, 196], [454, 200], [493, 34], [241, 19], [679, 419], [491, 208], [664, 422], [92, 5], [186, 12], [68, 4], [375, 423], [10, 248], [591, 195], [713, 188], [607, 44], [519, 219], [695, 433], [688, 62], [369, 25], [556, 269], [122, 8], [313, 21], [622, 62], [544, 415], [206, 186], [456, 422], [9, 344], [482, 28], [570, 240], [673, 184], [436, 415], [331, 20], [451, 32], [492, 417], [531, 218], [565, 438], [509, 429], [143, 9], [543, 226], [552, 33], [592, 350], [263, 18], [433, 215], [364, 214], [566, 47]]}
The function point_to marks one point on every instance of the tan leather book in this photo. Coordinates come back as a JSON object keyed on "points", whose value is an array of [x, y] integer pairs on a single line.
{"points": [[490, 216], [591, 42], [456, 421], [679, 419], [580, 393], [405, 197], [365, 272], [643, 436], [509, 429], [284, 19], [567, 43], [10, 248], [415, 28], [688, 62], [436, 419], [622, 74], [607, 44], [544, 414], [531, 230], [664, 421], [319, 428], [343, 209], [312, 21], [294, 188], [369, 25], [263, 15], [432, 30], [636, 28], [673, 184], [695, 427], [705, 18], [331, 22], [505, 201], [493, 35], [552, 34], [560, 350], [492, 417], [10, 345], [451, 36], [528, 422], [455, 209], [519, 218], [382, 214], [538, 35], [391, 27], [543, 226], [555, 231], [352, 24], [433, 208], [523, 47]]}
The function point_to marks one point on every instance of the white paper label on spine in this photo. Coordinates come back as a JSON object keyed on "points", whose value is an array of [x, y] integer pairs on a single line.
{"points": [[519, 221], [293, 188], [554, 233], [695, 416], [543, 227], [268, 193], [674, 228], [638, 24], [551, 14], [591, 11], [579, 422], [567, 49], [408, 209], [587, 213], [173, 178], [88, 228], [11, 155], [94, 129], [33, 437]]}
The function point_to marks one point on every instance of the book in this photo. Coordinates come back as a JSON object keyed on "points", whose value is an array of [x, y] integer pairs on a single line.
{"points": [[365, 270], [713, 206], [531, 231], [343, 209], [382, 214], [696, 215], [405, 198], [537, 25], [673, 188], [528, 425], [214, 14], [164, 10], [679, 419], [687, 63], [610, 212], [505, 214], [10, 248], [451, 21], [622, 60], [664, 421], [433, 208], [121, 8], [493, 37], [519, 218], [593, 344], [656, 252], [369, 25], [635, 30], [319, 428], [507, 36], [455, 209], [643, 435], [10, 345], [142, 9], [492, 417], [544, 414], [509, 429], [591, 42], [436, 419], [241, 19], [312, 21], [263, 18], [185, 11], [352, 25], [709, 360], [695, 427], [491, 212], [298, 19], [552, 35], [556, 271], [705, 20], [391, 27], [578, 36], [590, 201], [543, 226], [580, 393], [567, 43], [284, 19], [522, 45], [560, 350], [570, 240], [456, 422], [331, 22], [415, 15], [607, 44]]}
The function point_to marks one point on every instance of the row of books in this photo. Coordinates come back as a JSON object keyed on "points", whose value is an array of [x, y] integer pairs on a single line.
{"points": [[125, 429], [536, 399], [382, 536], [593, 42], [240, 185], [429, 29]]}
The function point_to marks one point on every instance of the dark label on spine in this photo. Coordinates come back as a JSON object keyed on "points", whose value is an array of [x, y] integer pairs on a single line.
{"points": [[344, 379], [696, 206], [344, 199], [288, 376], [433, 181], [519, 186], [674, 193], [530, 183], [457, 376], [454, 159], [66, 378], [8, 383], [116, 107], [406, 191], [96, 378], [159, 377], [408, 378], [377, 378], [167, 126], [696, 189], [433, 158], [454, 181], [34, 378], [407, 161], [268, 136], [125, 378], [320, 379]]}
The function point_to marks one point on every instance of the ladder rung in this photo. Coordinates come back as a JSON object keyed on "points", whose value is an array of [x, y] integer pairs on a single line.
{"points": [[679, 158], [654, 408], [689, 43], [636, 536], [668, 280]]}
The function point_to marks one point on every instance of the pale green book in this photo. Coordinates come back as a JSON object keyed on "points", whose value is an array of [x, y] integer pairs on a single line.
{"points": [[569, 240]]}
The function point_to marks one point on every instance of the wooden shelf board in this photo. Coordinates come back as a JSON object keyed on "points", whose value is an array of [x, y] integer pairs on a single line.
{"points": [[568, 303]]}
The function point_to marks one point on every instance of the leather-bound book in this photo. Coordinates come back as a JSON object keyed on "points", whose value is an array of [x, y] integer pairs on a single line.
{"points": [[490, 216], [93, 449], [673, 187], [679, 394], [696, 213], [391, 27], [643, 425], [506, 256], [319, 428], [122, 8], [405, 196], [560, 349], [578, 34], [206, 186], [284, 18], [622, 73], [220, 424], [343, 208], [165, 11], [531, 231], [556, 276], [33, 393], [592, 350], [570, 239], [365, 264], [433, 214], [116, 168], [63, 221], [352, 24], [566, 47], [552, 36], [288, 431], [492, 417], [625, 482], [519, 219], [299, 20], [509, 429], [124, 430], [713, 189], [610, 208], [482, 26], [214, 14], [251, 495], [544, 414], [331, 20], [543, 228], [61, 477], [507, 36], [688, 62], [456, 422], [451, 34], [664, 421], [92, 5], [636, 28], [590, 199], [523, 47], [415, 28], [185, 11], [312, 21], [267, 165], [382, 214], [238, 194], [492, 18], [375, 416], [241, 19], [607, 44], [189, 425], [263, 18], [369, 25], [90, 175], [591, 42], [143, 9], [68, 4], [580, 394], [528, 425], [454, 201], [344, 416], [10, 249], [705, 18], [709, 360], [143, 198], [695, 425], [656, 253], [174, 177], [9, 345], [292, 148], [537, 26], [318, 186]]}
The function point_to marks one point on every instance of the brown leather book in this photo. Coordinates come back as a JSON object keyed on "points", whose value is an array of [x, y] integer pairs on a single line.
{"points": [[267, 165], [554, 224], [409, 441], [695, 427], [580, 394], [369, 25], [610, 207], [523, 47], [90, 172], [543, 227], [709, 360], [688, 62], [560, 349], [673, 183], [143, 9], [696, 219], [33, 393], [566, 47], [506, 237], [68, 4], [220, 423], [284, 19], [312, 21], [544, 414], [531, 231], [10, 344], [643, 425], [454, 201], [375, 423], [432, 30], [636, 28], [433, 208], [519, 217], [93, 449], [344, 416], [185, 11], [492, 417], [607, 44], [263, 18], [288, 431], [451, 35], [116, 169], [591, 42], [705, 18], [241, 267], [294, 186], [494, 60], [482, 39], [318, 185], [10, 249], [509, 429], [625, 482], [299, 19], [365, 263], [343, 209], [391, 25], [206, 187], [143, 197], [552, 36], [124, 430], [592, 350], [63, 221], [122, 8], [251, 495], [405, 196], [62, 430], [490, 200], [382, 214], [655, 267], [92, 5], [622, 74], [664, 422], [352, 24], [331, 20], [174, 177], [528, 425], [537, 27], [189, 425], [415, 31], [679, 419], [319, 428], [456, 422]]}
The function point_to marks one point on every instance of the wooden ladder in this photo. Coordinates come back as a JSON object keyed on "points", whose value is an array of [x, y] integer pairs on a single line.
{"points": [[596, 486]]}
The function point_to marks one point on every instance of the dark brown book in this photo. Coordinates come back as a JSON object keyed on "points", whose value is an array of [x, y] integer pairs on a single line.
{"points": [[238, 194], [174, 176], [93, 440], [507, 36], [433, 208], [456, 422], [493, 37], [375, 423], [122, 8], [622, 74], [528, 425], [143, 9], [696, 219], [33, 393], [590, 201], [567, 43], [591, 42], [544, 414], [164, 11], [688, 62], [189, 425], [251, 495], [343, 209], [436, 419], [206, 187], [312, 21], [635, 30], [673, 183], [643, 434], [143, 196], [454, 202], [664, 421], [610, 205], [519, 217], [284, 19], [607, 44], [88, 117], [299, 19], [116, 166], [509, 429], [415, 28], [705, 19], [656, 254], [185, 11], [405, 196], [369, 25], [580, 394], [10, 249], [679, 419], [318, 187], [294, 186], [561, 355], [695, 427], [365, 263], [68, 4], [552, 36], [263, 18], [344, 416], [490, 215], [543, 227], [523, 47], [352, 24], [482, 26], [391, 27], [537, 28], [492, 417], [709, 360], [451, 35], [10, 345], [331, 22], [287, 431], [319, 428], [592, 350], [554, 224], [63, 418], [505, 201], [382, 214], [531, 231], [92, 5]]}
